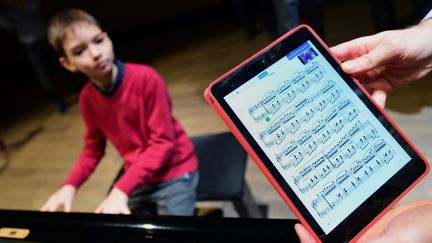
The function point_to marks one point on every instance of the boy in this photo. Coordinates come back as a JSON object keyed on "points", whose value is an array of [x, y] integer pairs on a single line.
{"points": [[129, 105]]}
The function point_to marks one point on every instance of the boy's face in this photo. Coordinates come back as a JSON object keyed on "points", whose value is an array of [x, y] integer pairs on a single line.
{"points": [[88, 50]]}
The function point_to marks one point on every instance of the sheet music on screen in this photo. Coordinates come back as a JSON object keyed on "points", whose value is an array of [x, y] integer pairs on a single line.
{"points": [[322, 139]]}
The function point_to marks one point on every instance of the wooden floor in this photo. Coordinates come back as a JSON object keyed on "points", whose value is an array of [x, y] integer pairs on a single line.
{"points": [[37, 167]]}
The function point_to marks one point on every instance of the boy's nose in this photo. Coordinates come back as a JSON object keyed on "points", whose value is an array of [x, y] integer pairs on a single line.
{"points": [[95, 53]]}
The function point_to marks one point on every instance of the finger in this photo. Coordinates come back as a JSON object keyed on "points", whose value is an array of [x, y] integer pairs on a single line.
{"points": [[303, 234], [49, 207], [126, 211], [67, 207], [379, 97], [354, 48], [99, 209], [44, 208], [379, 90], [378, 56]]}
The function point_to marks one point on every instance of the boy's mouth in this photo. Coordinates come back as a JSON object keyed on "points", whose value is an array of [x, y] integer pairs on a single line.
{"points": [[102, 64]]}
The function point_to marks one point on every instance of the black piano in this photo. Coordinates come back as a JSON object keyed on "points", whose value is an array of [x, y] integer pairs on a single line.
{"points": [[32, 226]]}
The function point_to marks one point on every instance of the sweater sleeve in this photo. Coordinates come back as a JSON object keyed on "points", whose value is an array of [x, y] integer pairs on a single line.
{"points": [[161, 135], [93, 150]]}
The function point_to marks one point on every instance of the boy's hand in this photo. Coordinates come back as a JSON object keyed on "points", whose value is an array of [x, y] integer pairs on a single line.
{"points": [[115, 203], [62, 197]]}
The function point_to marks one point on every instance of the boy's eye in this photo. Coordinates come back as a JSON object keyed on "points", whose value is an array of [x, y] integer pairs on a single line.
{"points": [[99, 39], [77, 51]]}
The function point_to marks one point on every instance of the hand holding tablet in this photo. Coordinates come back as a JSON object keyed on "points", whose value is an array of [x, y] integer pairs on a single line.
{"points": [[335, 157]]}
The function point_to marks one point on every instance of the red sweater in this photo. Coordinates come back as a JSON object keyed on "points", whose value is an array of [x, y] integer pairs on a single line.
{"points": [[137, 120]]}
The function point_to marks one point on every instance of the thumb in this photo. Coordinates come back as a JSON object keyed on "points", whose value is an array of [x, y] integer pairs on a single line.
{"points": [[379, 90], [380, 97], [303, 234]]}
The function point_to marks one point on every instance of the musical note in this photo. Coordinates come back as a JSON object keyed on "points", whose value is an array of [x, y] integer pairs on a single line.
{"points": [[351, 114], [378, 146], [321, 104], [332, 114], [363, 142], [273, 127], [302, 104], [343, 104], [303, 85], [338, 160], [350, 150], [293, 126], [310, 147], [298, 76], [313, 180], [342, 177], [324, 135], [317, 126], [386, 154], [288, 95], [321, 206], [296, 158], [327, 86], [355, 129], [273, 106], [289, 149], [284, 86], [338, 125], [356, 166], [333, 95], [325, 169], [305, 170], [343, 140], [258, 112], [304, 136], [308, 114], [286, 117], [269, 96], [280, 135], [312, 66], [370, 162], [317, 76]]}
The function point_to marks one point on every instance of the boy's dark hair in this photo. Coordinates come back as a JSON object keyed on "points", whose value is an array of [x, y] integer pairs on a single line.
{"points": [[61, 21]]}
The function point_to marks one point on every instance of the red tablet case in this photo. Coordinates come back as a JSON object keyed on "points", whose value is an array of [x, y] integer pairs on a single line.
{"points": [[216, 106]]}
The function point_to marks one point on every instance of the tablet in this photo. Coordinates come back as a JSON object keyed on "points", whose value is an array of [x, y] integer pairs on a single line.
{"points": [[334, 156]]}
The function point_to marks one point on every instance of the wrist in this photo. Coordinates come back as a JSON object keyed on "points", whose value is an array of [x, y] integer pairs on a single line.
{"points": [[119, 194], [69, 187]]}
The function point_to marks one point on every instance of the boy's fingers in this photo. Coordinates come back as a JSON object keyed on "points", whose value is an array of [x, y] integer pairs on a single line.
{"points": [[49, 207], [67, 207], [126, 211], [98, 209]]}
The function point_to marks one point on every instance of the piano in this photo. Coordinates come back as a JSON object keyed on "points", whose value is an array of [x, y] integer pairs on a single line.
{"points": [[33, 226]]}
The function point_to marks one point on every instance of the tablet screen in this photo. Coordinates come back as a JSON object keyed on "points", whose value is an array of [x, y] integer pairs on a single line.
{"points": [[323, 140]]}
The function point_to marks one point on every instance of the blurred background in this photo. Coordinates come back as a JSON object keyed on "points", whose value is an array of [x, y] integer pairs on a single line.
{"points": [[191, 43]]}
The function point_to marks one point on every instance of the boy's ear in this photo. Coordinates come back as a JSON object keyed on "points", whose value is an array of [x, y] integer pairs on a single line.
{"points": [[66, 64]]}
